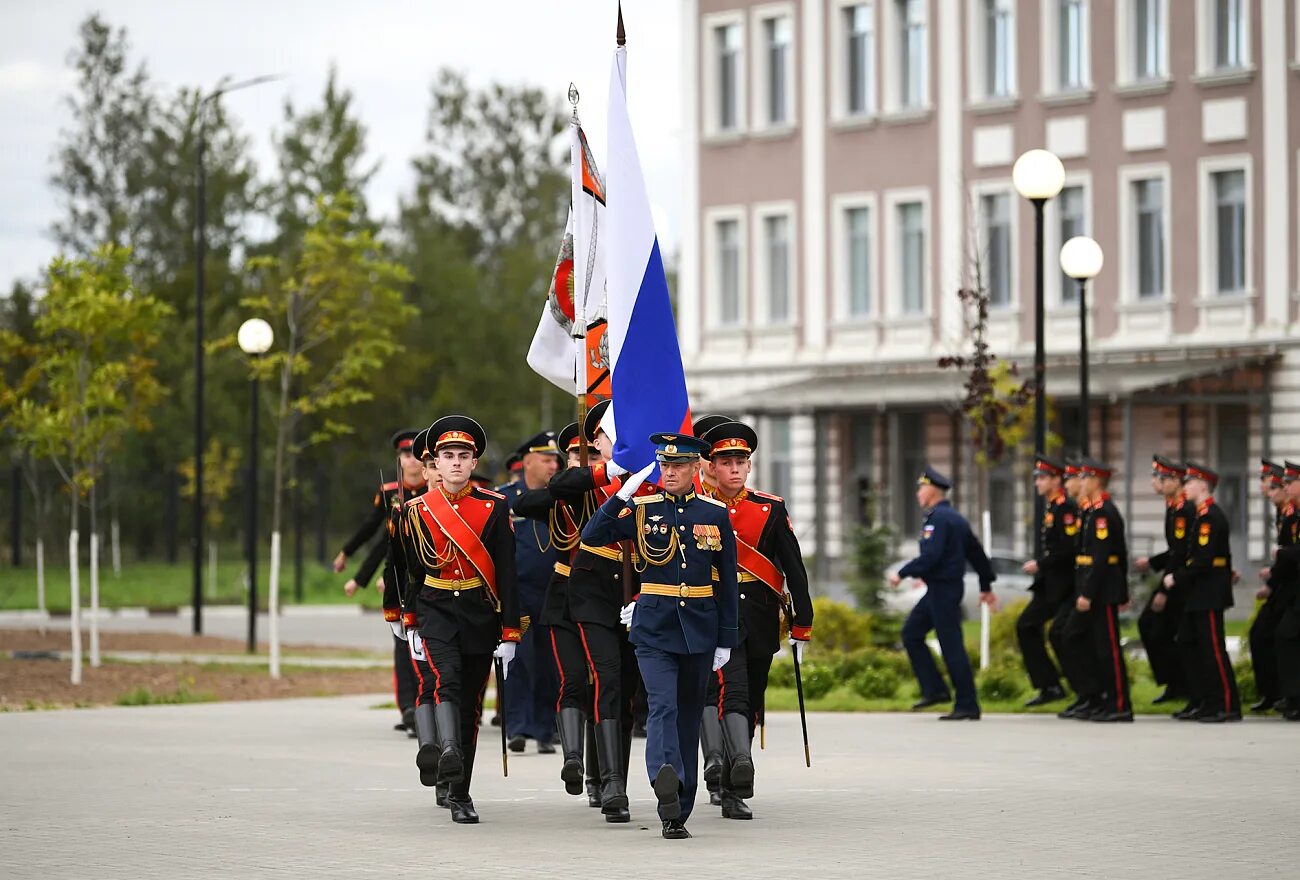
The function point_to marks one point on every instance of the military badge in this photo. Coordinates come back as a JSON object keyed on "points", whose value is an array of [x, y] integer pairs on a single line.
{"points": [[1103, 528], [1180, 528], [1071, 525], [1048, 519], [1204, 537], [927, 532]]}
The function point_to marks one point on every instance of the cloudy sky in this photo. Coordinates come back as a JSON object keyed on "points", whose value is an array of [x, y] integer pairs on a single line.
{"points": [[387, 52]]}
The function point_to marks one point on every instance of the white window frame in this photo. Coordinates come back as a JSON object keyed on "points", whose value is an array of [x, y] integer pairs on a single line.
{"points": [[840, 275], [713, 268], [977, 42], [1050, 41], [998, 187], [759, 16], [839, 36], [1206, 168], [1206, 37], [892, 304], [1128, 175], [758, 249], [1126, 47], [890, 59], [712, 127], [1055, 294]]}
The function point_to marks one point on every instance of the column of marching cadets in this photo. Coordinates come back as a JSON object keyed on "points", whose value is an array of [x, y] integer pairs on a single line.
{"points": [[608, 603]]}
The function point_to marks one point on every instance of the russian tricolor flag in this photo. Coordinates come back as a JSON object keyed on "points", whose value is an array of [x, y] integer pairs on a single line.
{"points": [[647, 382]]}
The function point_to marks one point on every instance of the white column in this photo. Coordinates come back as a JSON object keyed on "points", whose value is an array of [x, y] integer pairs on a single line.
{"points": [[951, 198], [803, 472], [813, 45], [690, 311], [1274, 76]]}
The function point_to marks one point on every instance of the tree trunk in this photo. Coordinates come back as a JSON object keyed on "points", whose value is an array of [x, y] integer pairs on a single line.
{"points": [[40, 580], [115, 529], [212, 569], [94, 578], [282, 431], [73, 561]]}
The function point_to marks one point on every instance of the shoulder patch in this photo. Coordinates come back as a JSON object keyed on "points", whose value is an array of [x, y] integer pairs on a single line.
{"points": [[713, 501], [766, 495], [648, 499], [490, 493], [389, 487], [414, 501]]}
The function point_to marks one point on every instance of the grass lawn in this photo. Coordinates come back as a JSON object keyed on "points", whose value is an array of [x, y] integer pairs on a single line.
{"points": [[159, 585]]}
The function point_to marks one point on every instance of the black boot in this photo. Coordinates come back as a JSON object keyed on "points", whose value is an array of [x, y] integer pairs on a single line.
{"points": [[570, 724], [451, 757], [408, 722], [441, 790], [1265, 704], [427, 735], [1052, 694], [668, 790], [740, 763], [458, 798], [1190, 712], [462, 811], [613, 791], [593, 767], [1170, 695], [711, 746], [733, 807]]}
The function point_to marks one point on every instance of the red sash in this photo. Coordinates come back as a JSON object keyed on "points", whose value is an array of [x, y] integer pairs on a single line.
{"points": [[438, 516], [760, 566]]}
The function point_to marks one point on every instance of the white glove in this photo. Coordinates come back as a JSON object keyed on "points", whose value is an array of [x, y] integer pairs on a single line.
{"points": [[398, 629], [416, 644], [625, 615], [634, 482], [505, 652], [797, 647], [614, 469], [720, 658]]}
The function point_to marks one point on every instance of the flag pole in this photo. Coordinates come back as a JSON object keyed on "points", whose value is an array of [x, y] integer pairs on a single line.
{"points": [[579, 273]]}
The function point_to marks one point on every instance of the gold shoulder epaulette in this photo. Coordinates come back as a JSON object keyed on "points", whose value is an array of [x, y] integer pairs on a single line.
{"points": [[713, 501], [412, 502], [489, 492], [646, 499], [768, 495]]}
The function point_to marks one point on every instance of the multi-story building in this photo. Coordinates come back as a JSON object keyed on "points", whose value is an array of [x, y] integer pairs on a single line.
{"points": [[850, 170]]}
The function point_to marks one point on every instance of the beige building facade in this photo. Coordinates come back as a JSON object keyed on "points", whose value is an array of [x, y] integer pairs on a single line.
{"points": [[849, 170]]}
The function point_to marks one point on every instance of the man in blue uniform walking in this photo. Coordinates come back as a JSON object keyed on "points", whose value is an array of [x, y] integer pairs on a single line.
{"points": [[946, 545], [681, 624]]}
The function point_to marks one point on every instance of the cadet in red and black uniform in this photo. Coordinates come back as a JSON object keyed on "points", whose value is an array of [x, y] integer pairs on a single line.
{"points": [[1091, 637], [769, 560], [594, 597], [1287, 635], [1206, 582], [1163, 613], [410, 483], [1276, 590], [1053, 575], [460, 605], [1071, 484]]}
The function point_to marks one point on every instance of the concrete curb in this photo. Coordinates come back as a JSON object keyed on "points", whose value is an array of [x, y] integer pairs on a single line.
{"points": [[216, 659], [143, 613]]}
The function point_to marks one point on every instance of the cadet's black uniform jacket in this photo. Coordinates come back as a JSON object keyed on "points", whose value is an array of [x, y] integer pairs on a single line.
{"points": [[1060, 527], [1101, 573], [1180, 516], [1206, 576]]}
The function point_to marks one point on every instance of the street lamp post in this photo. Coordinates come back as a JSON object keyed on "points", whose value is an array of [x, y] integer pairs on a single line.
{"points": [[200, 262], [1081, 259], [255, 338], [1038, 176]]}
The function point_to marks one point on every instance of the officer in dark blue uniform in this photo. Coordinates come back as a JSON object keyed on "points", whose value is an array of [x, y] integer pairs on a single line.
{"points": [[532, 686], [682, 625], [946, 544]]}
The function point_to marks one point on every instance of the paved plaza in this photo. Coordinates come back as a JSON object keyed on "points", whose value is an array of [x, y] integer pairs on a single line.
{"points": [[324, 788]]}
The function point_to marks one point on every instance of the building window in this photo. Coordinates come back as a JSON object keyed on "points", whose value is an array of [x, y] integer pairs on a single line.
{"points": [[860, 57], [1229, 34], [912, 448], [995, 216], [1148, 43], [1069, 206], [776, 254], [857, 232], [1149, 217], [912, 55], [999, 47], [1229, 230], [727, 47], [780, 457], [727, 236], [1072, 44], [777, 73], [911, 257]]}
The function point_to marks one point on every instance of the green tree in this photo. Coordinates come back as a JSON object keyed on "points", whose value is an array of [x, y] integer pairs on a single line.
{"points": [[91, 383], [337, 311]]}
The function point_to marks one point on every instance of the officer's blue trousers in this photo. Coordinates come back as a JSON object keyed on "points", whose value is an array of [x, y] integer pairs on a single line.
{"points": [[941, 613], [674, 686], [531, 687]]}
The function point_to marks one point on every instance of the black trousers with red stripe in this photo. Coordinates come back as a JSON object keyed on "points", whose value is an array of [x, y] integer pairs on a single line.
{"points": [[447, 674], [1201, 644], [571, 662], [406, 686], [741, 684], [614, 671], [1093, 658], [1287, 651]]}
